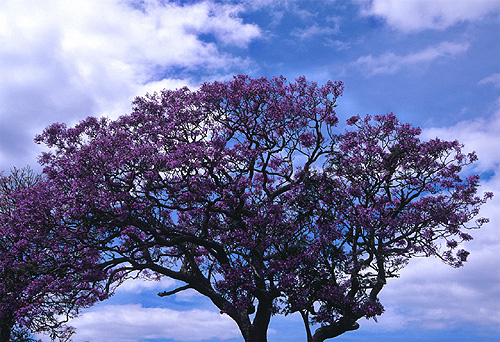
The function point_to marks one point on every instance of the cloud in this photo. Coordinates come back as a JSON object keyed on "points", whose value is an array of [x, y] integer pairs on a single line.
{"points": [[479, 135], [259, 4], [140, 285], [135, 323], [62, 61], [315, 30], [418, 15], [432, 295], [492, 79], [390, 63], [339, 45]]}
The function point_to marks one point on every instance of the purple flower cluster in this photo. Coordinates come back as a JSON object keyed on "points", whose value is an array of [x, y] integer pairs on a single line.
{"points": [[247, 193], [44, 272]]}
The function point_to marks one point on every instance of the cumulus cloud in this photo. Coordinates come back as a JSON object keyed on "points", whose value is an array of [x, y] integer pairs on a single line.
{"points": [[62, 61], [135, 323], [432, 295], [479, 135], [390, 63], [417, 15]]}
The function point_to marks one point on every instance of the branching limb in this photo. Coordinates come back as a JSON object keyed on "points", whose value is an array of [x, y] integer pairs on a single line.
{"points": [[169, 293]]}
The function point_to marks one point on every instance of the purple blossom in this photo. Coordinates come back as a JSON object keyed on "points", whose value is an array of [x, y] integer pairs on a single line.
{"points": [[220, 189], [307, 139], [352, 120], [42, 273]]}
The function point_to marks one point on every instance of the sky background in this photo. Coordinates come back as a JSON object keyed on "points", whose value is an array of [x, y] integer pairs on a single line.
{"points": [[434, 63]]}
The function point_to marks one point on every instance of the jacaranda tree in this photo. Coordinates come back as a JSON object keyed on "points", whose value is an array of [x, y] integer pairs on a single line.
{"points": [[46, 276], [247, 192]]}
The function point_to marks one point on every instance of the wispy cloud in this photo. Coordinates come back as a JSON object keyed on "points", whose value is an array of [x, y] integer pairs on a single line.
{"points": [[315, 30], [390, 63], [491, 79], [339, 45], [418, 15]]}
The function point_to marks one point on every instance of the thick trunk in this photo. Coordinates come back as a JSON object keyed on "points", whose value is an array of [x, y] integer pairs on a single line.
{"points": [[257, 332], [256, 336], [334, 330], [5, 330]]}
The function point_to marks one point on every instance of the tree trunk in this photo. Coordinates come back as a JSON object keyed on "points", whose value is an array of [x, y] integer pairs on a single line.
{"points": [[257, 332], [5, 329], [334, 330], [256, 336]]}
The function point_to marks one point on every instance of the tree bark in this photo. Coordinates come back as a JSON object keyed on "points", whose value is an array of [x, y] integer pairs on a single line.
{"points": [[305, 318], [334, 330], [257, 331], [5, 329]]}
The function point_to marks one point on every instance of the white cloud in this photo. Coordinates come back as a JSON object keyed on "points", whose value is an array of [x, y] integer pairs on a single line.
{"points": [[64, 60], [479, 135], [417, 15], [390, 63], [339, 45], [491, 79], [140, 285], [258, 4], [315, 30], [432, 295], [187, 296], [135, 323]]}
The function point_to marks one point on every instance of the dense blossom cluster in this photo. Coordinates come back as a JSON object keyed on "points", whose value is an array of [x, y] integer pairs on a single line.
{"points": [[45, 275], [247, 192]]}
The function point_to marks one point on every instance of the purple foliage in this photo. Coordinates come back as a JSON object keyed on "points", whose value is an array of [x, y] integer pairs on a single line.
{"points": [[245, 191], [45, 276]]}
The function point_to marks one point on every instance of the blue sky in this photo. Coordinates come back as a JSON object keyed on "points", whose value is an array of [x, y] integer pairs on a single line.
{"points": [[434, 63]]}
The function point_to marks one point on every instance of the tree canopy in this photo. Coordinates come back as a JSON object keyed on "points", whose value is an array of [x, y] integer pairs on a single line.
{"points": [[46, 276], [248, 192]]}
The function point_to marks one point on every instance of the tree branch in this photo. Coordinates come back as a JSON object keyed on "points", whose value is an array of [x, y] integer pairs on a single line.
{"points": [[169, 293]]}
